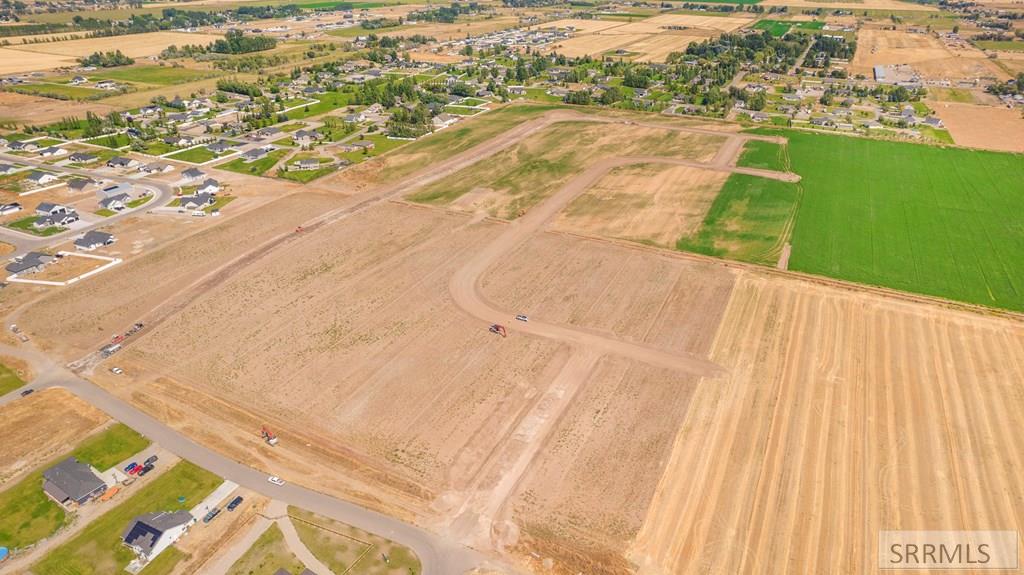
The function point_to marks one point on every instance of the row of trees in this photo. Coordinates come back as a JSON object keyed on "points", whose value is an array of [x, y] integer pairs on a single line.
{"points": [[234, 42], [106, 59]]}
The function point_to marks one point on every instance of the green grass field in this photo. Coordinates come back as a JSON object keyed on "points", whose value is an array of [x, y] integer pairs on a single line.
{"points": [[342, 548], [327, 102], [779, 28], [97, 549], [937, 221], [25, 225], [746, 220], [195, 155], [9, 380], [1008, 45], [256, 168], [112, 141], [268, 554], [28, 515], [64, 91], [304, 176], [765, 155], [158, 75]]}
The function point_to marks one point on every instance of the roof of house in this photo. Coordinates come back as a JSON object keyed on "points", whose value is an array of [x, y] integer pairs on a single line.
{"points": [[115, 199], [93, 238], [81, 157], [37, 175], [27, 262], [193, 173], [6, 167], [69, 479], [202, 199], [309, 162], [120, 161], [47, 207], [256, 153], [210, 182], [145, 530]]}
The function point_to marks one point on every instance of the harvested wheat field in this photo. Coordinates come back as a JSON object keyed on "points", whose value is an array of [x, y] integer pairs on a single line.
{"points": [[580, 26], [15, 61], [842, 414], [649, 203], [851, 5], [928, 56], [42, 426], [133, 45], [656, 48], [593, 44], [445, 32], [987, 127], [34, 110]]}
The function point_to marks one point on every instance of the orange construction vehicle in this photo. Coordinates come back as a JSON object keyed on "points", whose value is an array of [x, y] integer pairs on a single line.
{"points": [[268, 436]]}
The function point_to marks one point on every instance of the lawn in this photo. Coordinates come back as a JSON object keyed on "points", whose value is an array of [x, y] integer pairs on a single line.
{"points": [[381, 144], [25, 225], [28, 515], [268, 554], [139, 201], [779, 28], [9, 380], [462, 110], [303, 176], [219, 203], [746, 220], [257, 167], [1008, 45], [765, 155], [346, 549], [97, 549], [61, 91], [112, 141], [159, 75], [159, 148], [925, 219], [327, 102], [196, 155]]}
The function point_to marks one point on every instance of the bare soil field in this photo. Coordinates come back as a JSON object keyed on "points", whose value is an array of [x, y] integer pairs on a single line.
{"points": [[25, 109], [656, 48], [648, 203], [15, 61], [133, 45], [651, 37], [852, 5], [593, 44], [75, 319], [842, 414], [988, 127], [579, 25], [445, 32], [518, 178], [42, 426], [924, 52]]}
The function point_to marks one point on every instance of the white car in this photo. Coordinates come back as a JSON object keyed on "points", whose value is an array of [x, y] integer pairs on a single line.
{"points": [[522, 317], [116, 370], [275, 480]]}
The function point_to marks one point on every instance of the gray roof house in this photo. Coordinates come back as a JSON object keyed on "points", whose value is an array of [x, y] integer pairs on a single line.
{"points": [[82, 157], [72, 482], [115, 203], [114, 190], [256, 153], [150, 533], [55, 220], [193, 174], [220, 147], [94, 239], [197, 201], [38, 177], [29, 263], [49, 209], [120, 162], [80, 184], [7, 169]]}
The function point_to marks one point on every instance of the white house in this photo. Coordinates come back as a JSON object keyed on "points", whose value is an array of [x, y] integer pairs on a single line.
{"points": [[210, 186], [148, 535]]}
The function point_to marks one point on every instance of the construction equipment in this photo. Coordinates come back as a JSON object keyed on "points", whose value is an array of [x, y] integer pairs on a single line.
{"points": [[268, 436], [117, 339], [499, 329]]}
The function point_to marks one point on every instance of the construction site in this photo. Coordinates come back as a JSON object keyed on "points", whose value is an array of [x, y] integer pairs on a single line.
{"points": [[511, 369]]}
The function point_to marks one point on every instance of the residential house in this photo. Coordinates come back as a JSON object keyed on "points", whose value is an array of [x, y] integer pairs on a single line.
{"points": [[305, 137], [11, 208], [220, 147], [156, 168], [193, 174], [149, 534], [82, 158], [107, 85], [179, 140], [307, 164], [149, 110], [121, 162], [70, 482], [115, 190], [197, 201], [355, 118], [115, 203], [78, 80], [209, 186], [759, 117], [41, 178], [94, 239], [6, 169], [80, 184], [256, 153], [444, 120], [22, 147], [267, 132], [52, 151], [287, 572], [55, 220]]}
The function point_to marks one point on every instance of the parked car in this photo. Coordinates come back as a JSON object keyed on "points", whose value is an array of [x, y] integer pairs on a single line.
{"points": [[116, 370], [522, 317], [130, 467], [29, 391], [198, 214], [213, 513], [136, 470], [275, 480], [145, 470], [235, 503], [151, 460]]}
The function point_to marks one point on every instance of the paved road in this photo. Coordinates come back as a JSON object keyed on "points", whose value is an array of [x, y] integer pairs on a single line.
{"points": [[24, 243], [438, 556]]}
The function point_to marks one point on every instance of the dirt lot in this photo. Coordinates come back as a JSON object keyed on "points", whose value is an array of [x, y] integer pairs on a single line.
{"points": [[24, 109], [133, 45], [444, 32], [928, 56], [650, 38], [851, 5], [843, 414], [988, 127], [647, 203], [42, 426]]}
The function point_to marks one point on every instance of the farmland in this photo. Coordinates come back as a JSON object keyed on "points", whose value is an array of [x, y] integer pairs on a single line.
{"points": [[157, 75], [922, 234]]}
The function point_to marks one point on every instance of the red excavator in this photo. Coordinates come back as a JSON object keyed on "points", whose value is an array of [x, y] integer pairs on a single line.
{"points": [[499, 329], [268, 436]]}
